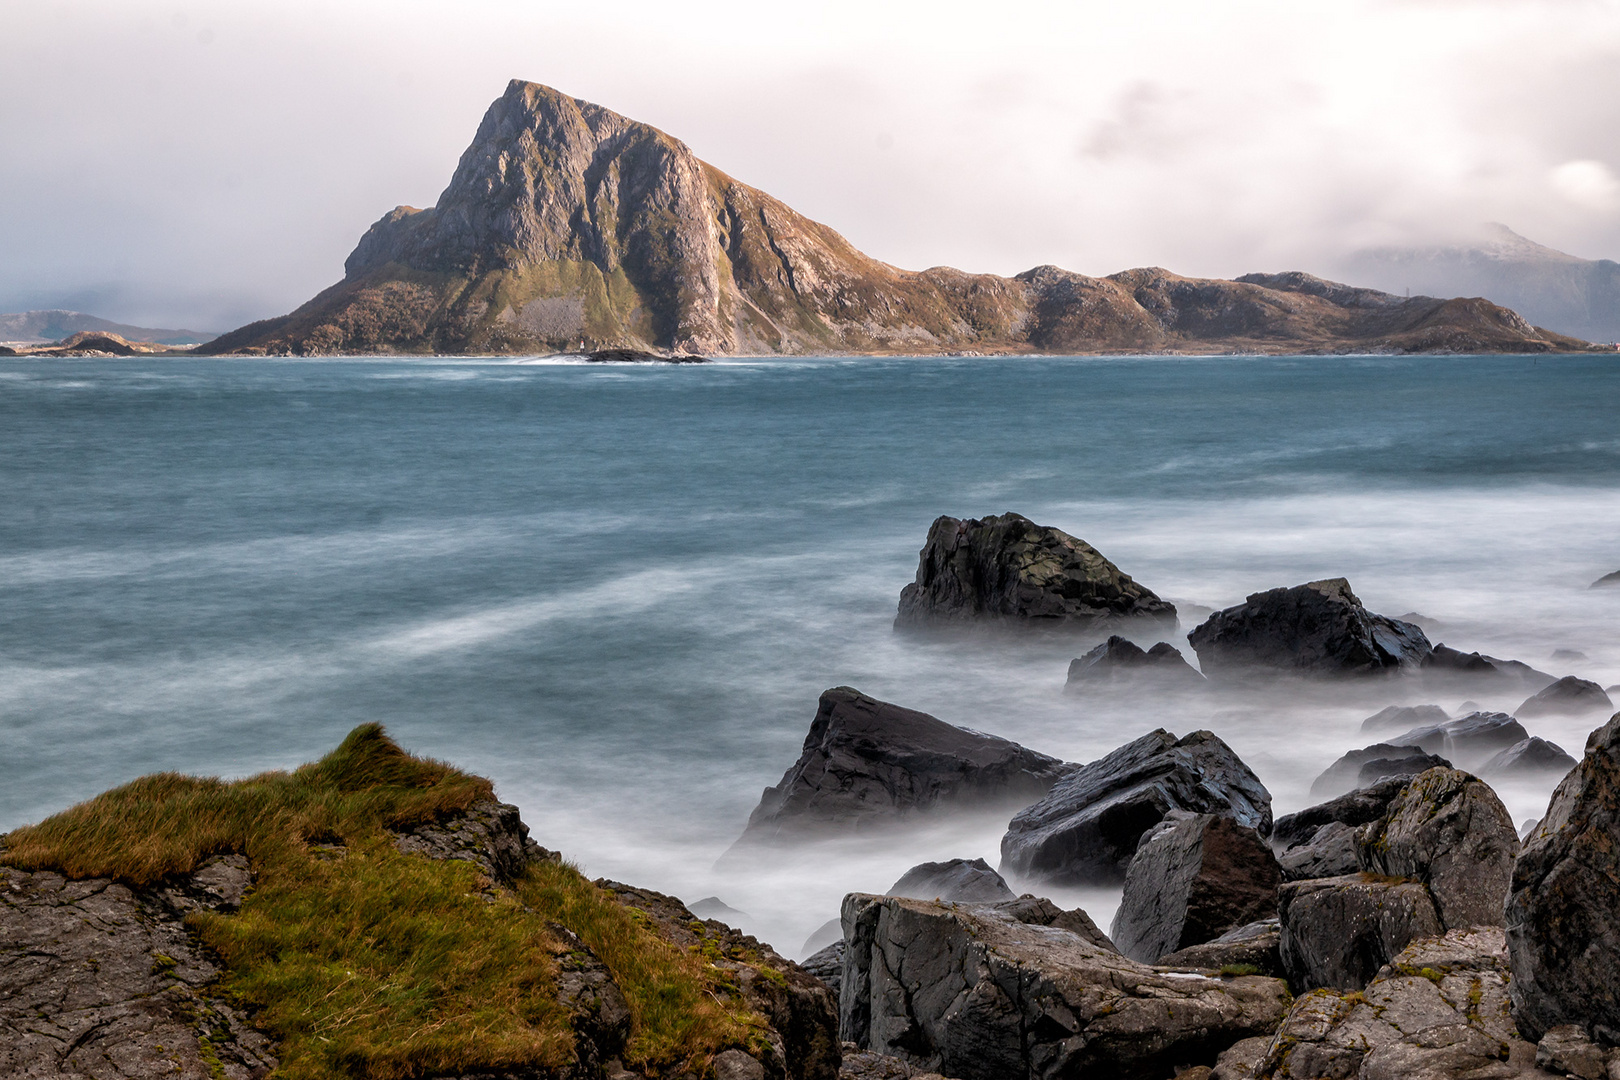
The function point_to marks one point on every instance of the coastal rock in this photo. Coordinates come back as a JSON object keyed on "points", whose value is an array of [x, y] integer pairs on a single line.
{"points": [[867, 1065], [1566, 1051], [969, 881], [1010, 570], [1437, 1011], [712, 907], [1338, 932], [1451, 832], [1321, 841], [1469, 740], [1241, 1059], [1086, 829], [1380, 761], [1331, 851], [1120, 662], [827, 964], [97, 979], [1531, 757], [1319, 628], [1450, 665], [489, 834], [1608, 581], [1253, 947], [1568, 696], [868, 764], [970, 991], [1563, 913], [1193, 878], [1405, 717]]}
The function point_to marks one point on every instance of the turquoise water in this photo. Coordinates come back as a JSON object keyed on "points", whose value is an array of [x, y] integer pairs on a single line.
{"points": [[618, 591]]}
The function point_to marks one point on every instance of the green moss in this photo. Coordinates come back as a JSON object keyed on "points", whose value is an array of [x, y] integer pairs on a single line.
{"points": [[1239, 969]]}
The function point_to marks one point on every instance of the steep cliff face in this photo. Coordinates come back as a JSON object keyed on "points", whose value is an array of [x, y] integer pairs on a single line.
{"points": [[566, 223]]}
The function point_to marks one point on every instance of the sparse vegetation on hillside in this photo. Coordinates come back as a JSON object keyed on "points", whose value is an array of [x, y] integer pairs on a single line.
{"points": [[364, 961]]}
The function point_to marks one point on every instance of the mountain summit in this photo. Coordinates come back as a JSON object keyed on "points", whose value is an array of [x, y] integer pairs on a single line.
{"points": [[567, 225]]}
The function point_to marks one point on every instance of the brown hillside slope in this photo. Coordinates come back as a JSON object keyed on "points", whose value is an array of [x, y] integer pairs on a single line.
{"points": [[567, 223]]}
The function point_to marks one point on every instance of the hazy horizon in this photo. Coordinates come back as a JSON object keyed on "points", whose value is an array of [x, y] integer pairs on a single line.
{"points": [[203, 165]]}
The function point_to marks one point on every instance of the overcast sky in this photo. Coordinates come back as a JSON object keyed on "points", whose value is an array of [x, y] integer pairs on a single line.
{"points": [[204, 164]]}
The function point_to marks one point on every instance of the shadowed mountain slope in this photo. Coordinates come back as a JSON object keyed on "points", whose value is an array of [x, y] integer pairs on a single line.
{"points": [[568, 225]]}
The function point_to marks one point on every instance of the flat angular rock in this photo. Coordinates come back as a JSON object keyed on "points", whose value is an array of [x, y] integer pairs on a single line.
{"points": [[1320, 841], [1563, 914], [1086, 829], [867, 764], [1438, 1011], [1338, 932], [1405, 718], [1011, 571], [1530, 758], [1253, 946], [1346, 773], [1449, 831], [1119, 662], [1380, 769], [964, 880], [970, 991], [1319, 628], [1568, 696], [1193, 878]]}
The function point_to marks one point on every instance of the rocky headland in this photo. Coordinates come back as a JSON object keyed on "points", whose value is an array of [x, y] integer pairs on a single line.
{"points": [[568, 226]]}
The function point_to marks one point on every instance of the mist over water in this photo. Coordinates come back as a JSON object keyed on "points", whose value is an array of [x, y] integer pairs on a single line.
{"points": [[619, 591]]}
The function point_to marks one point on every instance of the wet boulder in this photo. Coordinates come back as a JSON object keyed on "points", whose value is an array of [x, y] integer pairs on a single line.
{"points": [[1193, 878], [867, 764], [1320, 841], [1563, 913], [1008, 570], [1568, 696], [970, 991], [1086, 829], [1469, 740], [1250, 949], [1338, 932], [1448, 665], [1331, 851], [1451, 832], [1377, 762], [1437, 1011], [1119, 662], [964, 880], [1533, 757], [1405, 718], [1319, 628]]}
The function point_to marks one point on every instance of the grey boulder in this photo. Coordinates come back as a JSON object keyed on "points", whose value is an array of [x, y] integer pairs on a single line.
{"points": [[1469, 740], [1193, 878], [1448, 665], [1533, 757], [1119, 662], [1338, 932], [1010, 571], [1319, 628], [1320, 841], [1405, 717], [964, 880], [1371, 764], [1086, 829], [1563, 914], [1568, 696], [867, 764], [1250, 949], [972, 992], [827, 964]]}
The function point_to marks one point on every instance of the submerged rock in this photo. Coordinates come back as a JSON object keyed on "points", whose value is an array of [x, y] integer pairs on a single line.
{"points": [[971, 991], [1563, 914], [868, 764], [964, 880], [1529, 758], [1469, 740], [1608, 581], [1319, 628], [1011, 571], [1405, 717], [1370, 765], [1120, 662], [1450, 665], [1568, 696], [1193, 878], [1086, 829]]}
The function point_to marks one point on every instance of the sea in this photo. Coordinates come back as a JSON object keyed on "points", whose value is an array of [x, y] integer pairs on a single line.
{"points": [[618, 590]]}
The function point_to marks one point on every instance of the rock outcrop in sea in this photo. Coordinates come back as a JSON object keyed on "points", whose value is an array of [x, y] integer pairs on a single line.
{"points": [[569, 226]]}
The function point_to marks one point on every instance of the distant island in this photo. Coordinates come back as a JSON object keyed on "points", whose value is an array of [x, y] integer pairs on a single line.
{"points": [[568, 227], [55, 326]]}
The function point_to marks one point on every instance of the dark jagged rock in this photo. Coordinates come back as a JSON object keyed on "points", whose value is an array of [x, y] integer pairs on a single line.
{"points": [[1531, 757], [1251, 946], [868, 764], [969, 881], [1451, 832], [1086, 829], [1119, 661], [1447, 663], [489, 834], [1405, 717], [1468, 740], [1193, 878], [1338, 932], [638, 356], [1331, 851], [1608, 581], [712, 907], [1321, 842], [1319, 628], [827, 964], [1568, 696], [1008, 570], [970, 991], [1563, 914], [1437, 1011], [1039, 911], [1385, 760]]}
